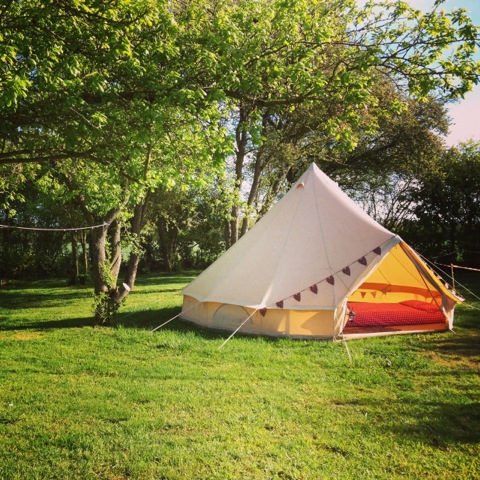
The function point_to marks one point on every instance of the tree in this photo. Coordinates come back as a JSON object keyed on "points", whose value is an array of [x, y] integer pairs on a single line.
{"points": [[186, 225], [268, 60], [105, 106], [386, 159], [448, 207], [36, 253]]}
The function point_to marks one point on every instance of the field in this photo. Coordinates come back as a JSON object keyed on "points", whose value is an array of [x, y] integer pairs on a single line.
{"points": [[84, 402]]}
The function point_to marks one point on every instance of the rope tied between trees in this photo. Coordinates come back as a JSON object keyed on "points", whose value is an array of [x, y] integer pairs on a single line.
{"points": [[46, 229]]}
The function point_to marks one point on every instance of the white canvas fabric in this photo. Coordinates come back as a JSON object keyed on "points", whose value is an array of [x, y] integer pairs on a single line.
{"points": [[310, 235]]}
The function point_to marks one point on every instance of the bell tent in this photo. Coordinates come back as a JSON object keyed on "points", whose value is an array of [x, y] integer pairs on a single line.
{"points": [[317, 266]]}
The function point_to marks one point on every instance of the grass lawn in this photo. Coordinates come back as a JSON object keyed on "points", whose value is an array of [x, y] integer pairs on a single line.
{"points": [[85, 402]]}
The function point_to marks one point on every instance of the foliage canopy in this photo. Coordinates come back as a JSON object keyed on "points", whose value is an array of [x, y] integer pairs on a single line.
{"points": [[104, 104]]}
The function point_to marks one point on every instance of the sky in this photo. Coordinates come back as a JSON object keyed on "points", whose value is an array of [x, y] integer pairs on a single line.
{"points": [[465, 114]]}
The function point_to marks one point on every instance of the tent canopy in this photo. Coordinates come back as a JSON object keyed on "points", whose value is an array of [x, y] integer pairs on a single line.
{"points": [[310, 253]]}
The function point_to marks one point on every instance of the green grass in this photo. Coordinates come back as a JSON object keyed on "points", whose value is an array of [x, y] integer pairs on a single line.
{"points": [[84, 402]]}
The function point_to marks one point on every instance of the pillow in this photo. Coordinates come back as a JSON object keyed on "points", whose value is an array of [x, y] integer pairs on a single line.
{"points": [[419, 305]]}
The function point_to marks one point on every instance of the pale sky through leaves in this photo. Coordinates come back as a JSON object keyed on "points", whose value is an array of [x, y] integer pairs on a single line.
{"points": [[465, 114]]}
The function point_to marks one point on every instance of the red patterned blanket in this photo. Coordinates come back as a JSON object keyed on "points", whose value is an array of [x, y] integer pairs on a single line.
{"points": [[411, 312]]}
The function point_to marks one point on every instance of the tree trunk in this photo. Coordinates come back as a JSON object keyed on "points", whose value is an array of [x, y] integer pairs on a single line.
{"points": [[453, 240], [5, 260], [164, 235], [137, 223], [104, 280], [98, 242], [117, 295], [260, 163], [241, 137], [253, 193], [75, 263], [83, 242], [116, 249], [104, 269]]}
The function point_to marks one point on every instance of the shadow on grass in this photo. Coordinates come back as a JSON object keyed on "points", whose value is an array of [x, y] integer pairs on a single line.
{"points": [[55, 294], [52, 324], [32, 299], [166, 279], [156, 291], [142, 320], [459, 346], [151, 319], [441, 424], [464, 342]]}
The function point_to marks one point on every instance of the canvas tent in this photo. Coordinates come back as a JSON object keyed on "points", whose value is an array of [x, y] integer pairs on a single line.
{"points": [[311, 266]]}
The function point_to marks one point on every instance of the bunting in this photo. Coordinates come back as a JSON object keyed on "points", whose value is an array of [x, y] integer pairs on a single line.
{"points": [[362, 261], [330, 280]]}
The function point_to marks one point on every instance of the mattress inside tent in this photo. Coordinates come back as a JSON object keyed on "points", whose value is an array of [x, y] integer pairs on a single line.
{"points": [[385, 315], [401, 295]]}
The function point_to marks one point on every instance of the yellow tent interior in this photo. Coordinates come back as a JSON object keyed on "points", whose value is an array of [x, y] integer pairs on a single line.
{"points": [[401, 280]]}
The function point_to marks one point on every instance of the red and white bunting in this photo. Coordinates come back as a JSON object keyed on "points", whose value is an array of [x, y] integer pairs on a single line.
{"points": [[330, 280]]}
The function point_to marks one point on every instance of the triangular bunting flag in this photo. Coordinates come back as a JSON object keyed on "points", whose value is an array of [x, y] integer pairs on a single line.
{"points": [[374, 294], [263, 311], [377, 250], [362, 261], [314, 289], [346, 270], [363, 294], [297, 297], [280, 304], [331, 280]]}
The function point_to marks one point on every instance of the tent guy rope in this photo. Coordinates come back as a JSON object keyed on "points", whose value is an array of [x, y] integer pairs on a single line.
{"points": [[435, 265], [193, 306], [45, 229], [238, 328], [173, 318]]}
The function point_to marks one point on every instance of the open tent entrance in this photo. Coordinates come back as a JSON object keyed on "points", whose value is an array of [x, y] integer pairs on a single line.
{"points": [[400, 296]]}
